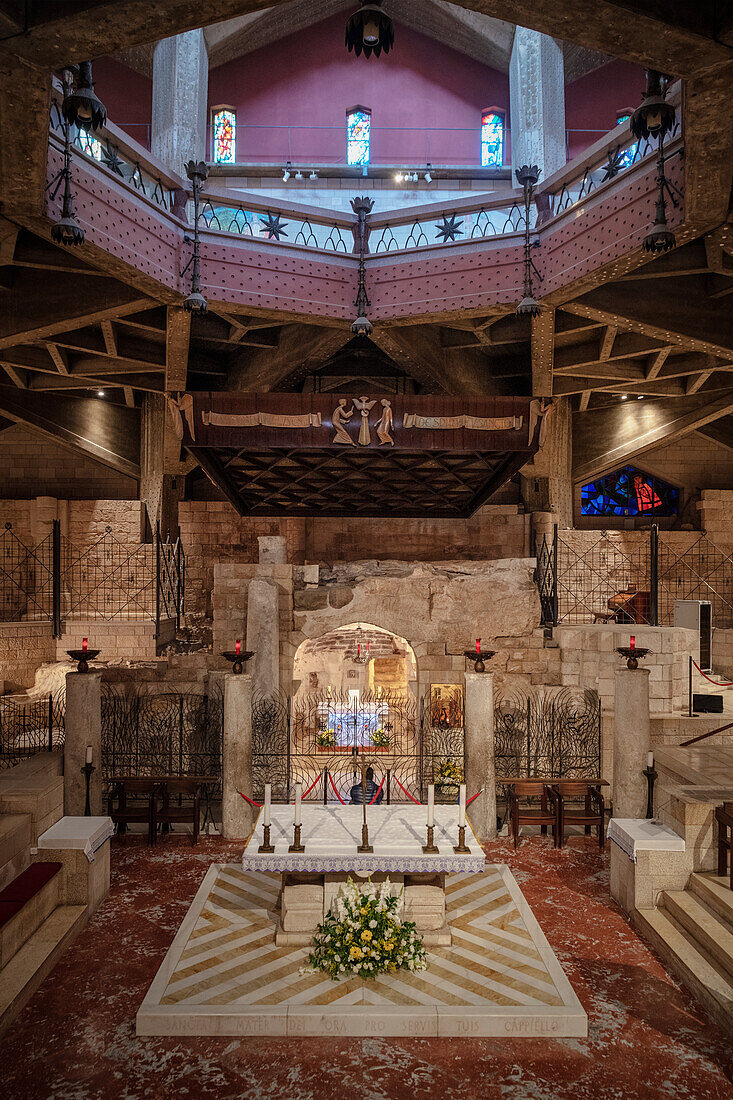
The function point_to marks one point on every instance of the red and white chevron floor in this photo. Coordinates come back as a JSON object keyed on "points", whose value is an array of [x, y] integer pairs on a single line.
{"points": [[223, 974]]}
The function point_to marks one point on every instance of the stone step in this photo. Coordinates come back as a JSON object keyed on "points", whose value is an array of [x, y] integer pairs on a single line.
{"points": [[19, 928], [712, 986], [15, 843], [37, 957], [709, 930], [715, 891]]}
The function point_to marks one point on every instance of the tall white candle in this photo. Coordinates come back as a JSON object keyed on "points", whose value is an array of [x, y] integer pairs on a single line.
{"points": [[266, 808], [462, 806], [431, 804], [298, 801], [650, 759], [89, 754]]}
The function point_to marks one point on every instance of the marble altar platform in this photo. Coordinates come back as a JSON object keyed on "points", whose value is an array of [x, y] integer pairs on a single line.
{"points": [[224, 975]]}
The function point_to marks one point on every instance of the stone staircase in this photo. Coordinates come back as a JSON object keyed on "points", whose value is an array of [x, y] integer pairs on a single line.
{"points": [[692, 930]]}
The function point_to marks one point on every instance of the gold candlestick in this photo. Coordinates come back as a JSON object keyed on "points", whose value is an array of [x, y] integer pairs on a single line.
{"points": [[266, 846], [365, 846], [296, 846], [462, 846], [431, 846]]}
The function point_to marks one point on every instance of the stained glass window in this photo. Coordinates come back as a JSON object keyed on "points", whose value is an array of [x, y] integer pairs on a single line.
{"points": [[626, 159], [629, 492], [358, 136], [225, 132], [492, 140]]}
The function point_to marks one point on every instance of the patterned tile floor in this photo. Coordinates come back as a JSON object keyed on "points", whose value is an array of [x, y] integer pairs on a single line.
{"points": [[647, 1037], [225, 976]]}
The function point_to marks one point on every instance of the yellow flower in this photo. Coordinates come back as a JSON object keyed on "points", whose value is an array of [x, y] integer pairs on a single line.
{"points": [[363, 912], [355, 953], [366, 935], [388, 946]]}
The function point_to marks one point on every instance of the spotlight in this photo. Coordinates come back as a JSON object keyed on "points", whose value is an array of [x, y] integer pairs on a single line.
{"points": [[299, 175], [313, 175], [398, 177], [640, 397], [286, 175], [428, 177], [81, 107], [370, 29], [624, 397], [100, 393]]}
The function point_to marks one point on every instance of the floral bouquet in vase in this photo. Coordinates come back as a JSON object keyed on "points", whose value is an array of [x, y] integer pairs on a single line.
{"points": [[380, 738], [362, 935], [449, 776], [326, 738]]}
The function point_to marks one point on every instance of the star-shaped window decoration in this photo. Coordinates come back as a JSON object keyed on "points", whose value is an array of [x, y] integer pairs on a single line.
{"points": [[616, 161], [449, 228], [273, 226], [112, 160]]}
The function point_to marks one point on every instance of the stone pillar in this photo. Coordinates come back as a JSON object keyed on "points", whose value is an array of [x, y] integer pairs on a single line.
{"points": [[547, 481], [263, 635], [480, 768], [83, 727], [237, 816], [631, 742], [180, 92], [537, 101], [44, 510], [272, 550], [160, 492]]}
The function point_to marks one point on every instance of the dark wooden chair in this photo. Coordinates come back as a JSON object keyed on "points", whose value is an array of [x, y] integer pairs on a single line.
{"points": [[580, 803], [175, 809], [520, 813], [724, 818], [140, 809]]}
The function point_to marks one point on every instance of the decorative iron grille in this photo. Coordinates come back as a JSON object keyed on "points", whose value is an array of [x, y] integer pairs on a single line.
{"points": [[599, 579], [443, 744], [271, 745], [702, 572], [551, 734], [26, 578], [169, 734], [31, 726]]}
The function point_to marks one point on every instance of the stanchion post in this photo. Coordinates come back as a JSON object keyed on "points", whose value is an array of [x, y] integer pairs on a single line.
{"points": [[691, 713]]}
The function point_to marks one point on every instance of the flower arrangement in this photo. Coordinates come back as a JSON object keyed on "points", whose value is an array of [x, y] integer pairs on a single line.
{"points": [[450, 774], [362, 935], [326, 738], [380, 738]]}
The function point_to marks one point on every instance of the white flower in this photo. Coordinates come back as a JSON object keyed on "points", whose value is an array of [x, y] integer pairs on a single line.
{"points": [[372, 924]]}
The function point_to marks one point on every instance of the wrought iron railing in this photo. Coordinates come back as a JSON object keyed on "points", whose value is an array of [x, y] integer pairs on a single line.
{"points": [[270, 223], [28, 726], [552, 734], [27, 577], [596, 577]]}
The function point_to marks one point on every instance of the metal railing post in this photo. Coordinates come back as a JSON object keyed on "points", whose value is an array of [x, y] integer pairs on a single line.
{"points": [[554, 575], [157, 582], [654, 575], [56, 577], [50, 722]]}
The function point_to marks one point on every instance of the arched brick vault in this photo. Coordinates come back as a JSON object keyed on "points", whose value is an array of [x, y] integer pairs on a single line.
{"points": [[342, 641]]}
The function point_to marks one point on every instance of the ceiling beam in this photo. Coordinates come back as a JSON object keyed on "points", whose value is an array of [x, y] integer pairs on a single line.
{"points": [[299, 351], [177, 342], [542, 345]]}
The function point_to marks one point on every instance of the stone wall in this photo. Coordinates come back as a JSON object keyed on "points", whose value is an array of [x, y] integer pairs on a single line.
{"points": [[716, 516], [31, 464], [327, 661], [24, 647], [722, 653]]}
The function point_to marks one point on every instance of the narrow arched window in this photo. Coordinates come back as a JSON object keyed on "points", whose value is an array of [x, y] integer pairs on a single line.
{"points": [[358, 135], [224, 127], [492, 138]]}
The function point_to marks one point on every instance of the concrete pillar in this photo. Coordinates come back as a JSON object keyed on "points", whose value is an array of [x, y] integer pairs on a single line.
{"points": [[180, 92], [547, 481], [480, 767], [272, 550], [83, 727], [263, 635], [537, 101], [44, 511], [237, 815], [631, 742], [160, 492]]}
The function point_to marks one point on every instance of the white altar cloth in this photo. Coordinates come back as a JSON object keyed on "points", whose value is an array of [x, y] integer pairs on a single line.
{"points": [[87, 833], [331, 835], [634, 835]]}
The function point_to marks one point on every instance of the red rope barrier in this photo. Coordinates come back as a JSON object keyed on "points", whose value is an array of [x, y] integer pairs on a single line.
{"points": [[415, 800], [473, 796], [257, 804], [713, 682], [306, 793], [335, 791], [373, 800]]}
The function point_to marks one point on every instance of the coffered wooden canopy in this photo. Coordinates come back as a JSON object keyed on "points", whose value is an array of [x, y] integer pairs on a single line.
{"points": [[373, 456]]}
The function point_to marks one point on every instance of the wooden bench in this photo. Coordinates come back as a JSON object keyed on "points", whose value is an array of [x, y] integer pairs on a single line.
{"points": [[549, 791], [144, 811], [164, 804], [189, 812]]}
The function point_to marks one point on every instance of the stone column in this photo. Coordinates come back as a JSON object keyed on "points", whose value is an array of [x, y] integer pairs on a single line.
{"points": [[180, 93], [160, 492], [547, 481], [83, 727], [537, 101], [263, 635], [237, 816], [631, 742], [480, 769]]}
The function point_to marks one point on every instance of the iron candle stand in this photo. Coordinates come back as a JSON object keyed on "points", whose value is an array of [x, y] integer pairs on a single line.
{"points": [[87, 769], [266, 846], [632, 654], [431, 847], [651, 776], [83, 656], [237, 659], [478, 656], [461, 847]]}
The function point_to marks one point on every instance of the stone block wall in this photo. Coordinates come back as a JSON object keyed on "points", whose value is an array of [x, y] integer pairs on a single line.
{"points": [[24, 647], [133, 641], [31, 463], [722, 653], [716, 516]]}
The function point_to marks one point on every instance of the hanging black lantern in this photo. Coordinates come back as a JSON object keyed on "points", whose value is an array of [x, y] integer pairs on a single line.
{"points": [[67, 229], [654, 117], [527, 177], [81, 107], [369, 29], [197, 171]]}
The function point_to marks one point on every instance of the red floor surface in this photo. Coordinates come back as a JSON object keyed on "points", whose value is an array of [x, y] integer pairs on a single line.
{"points": [[76, 1039]]}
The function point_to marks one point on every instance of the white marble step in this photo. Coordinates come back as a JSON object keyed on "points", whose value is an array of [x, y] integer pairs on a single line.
{"points": [[715, 891], [712, 934], [36, 958], [712, 986]]}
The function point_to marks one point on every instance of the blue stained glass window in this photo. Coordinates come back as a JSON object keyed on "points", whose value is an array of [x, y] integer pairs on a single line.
{"points": [[358, 136], [626, 159], [225, 129], [492, 140], [629, 492]]}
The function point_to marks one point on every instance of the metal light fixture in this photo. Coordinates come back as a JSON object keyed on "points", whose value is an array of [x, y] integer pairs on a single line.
{"points": [[197, 172], [654, 117], [67, 229], [362, 207], [81, 107], [527, 176], [369, 29], [286, 172], [313, 175]]}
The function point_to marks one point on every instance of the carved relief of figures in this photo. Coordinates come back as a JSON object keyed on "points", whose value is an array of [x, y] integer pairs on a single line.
{"points": [[339, 418], [384, 424], [364, 406]]}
